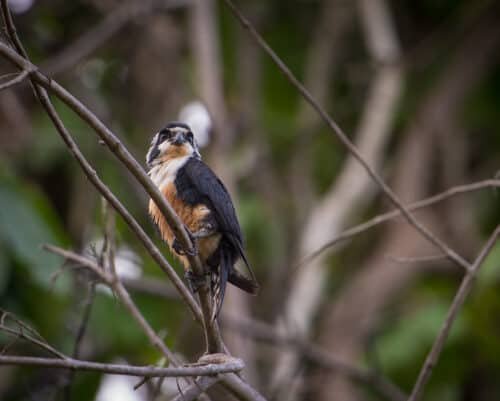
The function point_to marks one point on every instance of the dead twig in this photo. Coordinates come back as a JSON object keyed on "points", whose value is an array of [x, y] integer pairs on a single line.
{"points": [[458, 301], [14, 81], [382, 218], [114, 283]]}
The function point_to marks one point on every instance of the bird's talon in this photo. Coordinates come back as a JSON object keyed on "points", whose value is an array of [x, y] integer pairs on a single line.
{"points": [[195, 281], [179, 249]]}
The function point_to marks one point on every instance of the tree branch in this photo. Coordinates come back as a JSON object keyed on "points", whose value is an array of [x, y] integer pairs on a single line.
{"points": [[14, 81], [381, 218], [148, 371], [458, 301]]}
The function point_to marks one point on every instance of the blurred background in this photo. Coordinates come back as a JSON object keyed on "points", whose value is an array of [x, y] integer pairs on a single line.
{"points": [[416, 86]]}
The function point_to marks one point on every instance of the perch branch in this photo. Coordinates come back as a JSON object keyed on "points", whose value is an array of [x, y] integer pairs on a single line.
{"points": [[118, 369]]}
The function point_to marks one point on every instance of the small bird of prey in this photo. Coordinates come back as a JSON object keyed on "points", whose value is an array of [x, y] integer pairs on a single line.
{"points": [[204, 206]]}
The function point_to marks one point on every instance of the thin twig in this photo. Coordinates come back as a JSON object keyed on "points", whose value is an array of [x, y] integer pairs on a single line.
{"points": [[381, 218], [80, 333], [455, 307], [22, 333], [346, 141], [194, 390], [118, 288], [14, 81], [151, 371], [418, 259]]}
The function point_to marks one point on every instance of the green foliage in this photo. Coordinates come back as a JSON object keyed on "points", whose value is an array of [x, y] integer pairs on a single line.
{"points": [[26, 223]]}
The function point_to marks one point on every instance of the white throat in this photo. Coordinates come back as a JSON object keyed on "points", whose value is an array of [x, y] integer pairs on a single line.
{"points": [[164, 173]]}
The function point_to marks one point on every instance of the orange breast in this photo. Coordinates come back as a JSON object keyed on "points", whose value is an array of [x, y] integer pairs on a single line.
{"points": [[191, 216]]}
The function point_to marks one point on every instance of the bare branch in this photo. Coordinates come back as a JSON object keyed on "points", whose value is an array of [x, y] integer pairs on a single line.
{"points": [[27, 333], [149, 371], [14, 81], [194, 390], [346, 141], [458, 301], [419, 259], [80, 333], [115, 284], [381, 218]]}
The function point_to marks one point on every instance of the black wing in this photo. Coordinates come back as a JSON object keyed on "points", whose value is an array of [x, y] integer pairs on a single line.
{"points": [[197, 183]]}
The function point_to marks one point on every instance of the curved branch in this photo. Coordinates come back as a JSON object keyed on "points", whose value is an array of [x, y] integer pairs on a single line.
{"points": [[382, 218]]}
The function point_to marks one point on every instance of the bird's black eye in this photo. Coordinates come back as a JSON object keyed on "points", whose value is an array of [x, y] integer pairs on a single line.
{"points": [[190, 137], [164, 135]]}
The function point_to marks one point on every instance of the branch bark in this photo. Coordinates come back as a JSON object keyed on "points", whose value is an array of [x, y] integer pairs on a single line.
{"points": [[118, 369]]}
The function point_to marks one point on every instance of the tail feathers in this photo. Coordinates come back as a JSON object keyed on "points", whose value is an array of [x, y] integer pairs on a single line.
{"points": [[239, 245], [242, 282], [219, 282]]}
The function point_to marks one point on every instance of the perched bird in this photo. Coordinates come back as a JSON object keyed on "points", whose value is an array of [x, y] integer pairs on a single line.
{"points": [[204, 206]]}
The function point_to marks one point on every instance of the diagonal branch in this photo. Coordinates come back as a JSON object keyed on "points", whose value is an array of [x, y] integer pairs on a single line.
{"points": [[114, 283], [16, 80], [382, 218], [347, 142], [458, 301], [27, 333]]}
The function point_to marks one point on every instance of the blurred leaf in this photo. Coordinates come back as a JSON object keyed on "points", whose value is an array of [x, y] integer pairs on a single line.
{"points": [[26, 223], [490, 271], [412, 335]]}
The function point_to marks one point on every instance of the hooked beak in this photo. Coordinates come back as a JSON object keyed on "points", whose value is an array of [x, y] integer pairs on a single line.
{"points": [[179, 139]]}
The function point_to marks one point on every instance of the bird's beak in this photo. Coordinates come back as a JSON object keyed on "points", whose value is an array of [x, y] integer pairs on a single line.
{"points": [[179, 139]]}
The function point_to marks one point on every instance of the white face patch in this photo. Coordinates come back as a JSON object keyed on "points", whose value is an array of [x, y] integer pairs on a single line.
{"points": [[165, 173]]}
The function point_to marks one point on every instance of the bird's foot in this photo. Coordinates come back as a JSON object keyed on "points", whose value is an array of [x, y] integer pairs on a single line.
{"points": [[195, 281], [180, 250]]}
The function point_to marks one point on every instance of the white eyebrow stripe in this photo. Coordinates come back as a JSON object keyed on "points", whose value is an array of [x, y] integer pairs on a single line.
{"points": [[178, 129]]}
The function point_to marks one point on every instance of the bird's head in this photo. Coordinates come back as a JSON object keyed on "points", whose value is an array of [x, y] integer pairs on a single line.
{"points": [[173, 141]]}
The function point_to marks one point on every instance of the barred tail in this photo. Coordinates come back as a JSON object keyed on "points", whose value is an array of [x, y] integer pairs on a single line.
{"points": [[219, 281]]}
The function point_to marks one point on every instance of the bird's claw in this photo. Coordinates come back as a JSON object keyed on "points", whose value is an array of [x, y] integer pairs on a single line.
{"points": [[195, 281], [180, 250]]}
